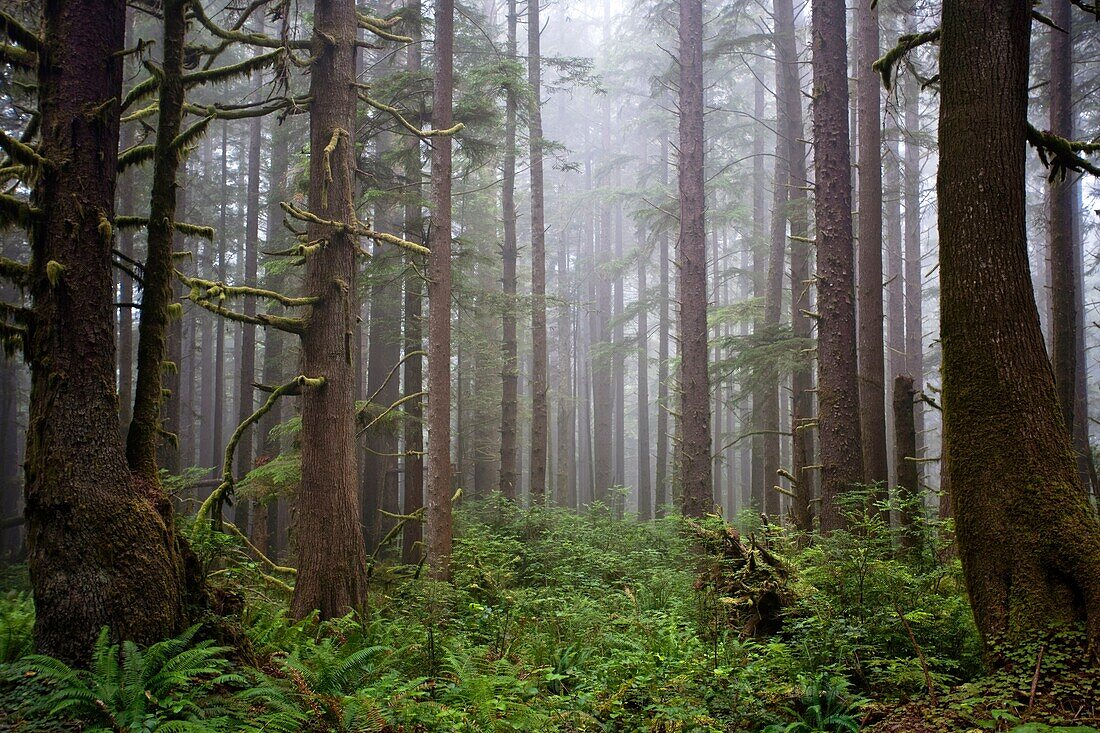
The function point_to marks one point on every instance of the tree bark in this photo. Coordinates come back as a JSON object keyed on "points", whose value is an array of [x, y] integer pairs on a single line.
{"points": [[1028, 540], [661, 489], [439, 305], [914, 296], [872, 392], [101, 549], [905, 455], [645, 486], [838, 385], [761, 480], [539, 387], [509, 400], [695, 428], [332, 563]]}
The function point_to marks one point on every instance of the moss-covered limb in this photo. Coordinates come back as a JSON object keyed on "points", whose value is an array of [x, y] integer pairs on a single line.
{"points": [[245, 111], [401, 120], [289, 325], [12, 338], [17, 212], [393, 371], [140, 222], [21, 152], [193, 230], [213, 503], [1060, 155], [395, 531], [271, 564], [18, 57], [229, 71], [388, 410], [15, 313], [886, 65], [378, 27], [142, 90], [337, 134], [13, 271], [136, 155], [298, 250], [18, 32], [238, 36], [220, 290], [191, 135]]}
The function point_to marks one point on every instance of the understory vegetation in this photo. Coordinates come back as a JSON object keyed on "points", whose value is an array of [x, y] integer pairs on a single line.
{"points": [[560, 622]]}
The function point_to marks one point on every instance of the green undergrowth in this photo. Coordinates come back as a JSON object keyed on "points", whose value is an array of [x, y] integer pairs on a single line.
{"points": [[554, 622]]}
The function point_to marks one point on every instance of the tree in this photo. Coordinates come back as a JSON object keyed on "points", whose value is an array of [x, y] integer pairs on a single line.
{"points": [[101, 548], [872, 380], [509, 399], [332, 563], [838, 386], [539, 387], [695, 435], [1028, 540], [439, 304]]}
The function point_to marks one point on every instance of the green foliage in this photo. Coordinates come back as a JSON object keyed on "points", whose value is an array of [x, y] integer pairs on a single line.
{"points": [[825, 705], [16, 626]]}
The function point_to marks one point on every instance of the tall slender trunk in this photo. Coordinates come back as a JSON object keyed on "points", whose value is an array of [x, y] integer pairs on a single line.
{"points": [[126, 284], [508, 403], [661, 479], [914, 297], [566, 494], [695, 428], [645, 486], [872, 389], [1064, 249], [332, 563], [792, 131], [1028, 540], [439, 305], [413, 376], [539, 388], [220, 241], [761, 479], [603, 404], [101, 549], [838, 384], [246, 403]]}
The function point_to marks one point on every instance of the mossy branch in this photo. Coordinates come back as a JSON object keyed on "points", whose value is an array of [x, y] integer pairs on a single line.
{"points": [[17, 212], [225, 73], [18, 57], [18, 32], [209, 289], [141, 222], [886, 65], [289, 325], [213, 503], [1060, 155], [356, 228], [379, 27], [136, 155], [237, 36], [388, 410], [397, 115], [15, 272], [13, 338], [191, 135], [20, 152]]}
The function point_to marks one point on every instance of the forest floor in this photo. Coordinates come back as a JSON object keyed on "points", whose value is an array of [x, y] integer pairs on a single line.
{"points": [[559, 622]]}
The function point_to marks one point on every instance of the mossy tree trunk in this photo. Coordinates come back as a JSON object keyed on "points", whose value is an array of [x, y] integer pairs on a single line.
{"points": [[101, 553], [1028, 540], [510, 372], [332, 563]]}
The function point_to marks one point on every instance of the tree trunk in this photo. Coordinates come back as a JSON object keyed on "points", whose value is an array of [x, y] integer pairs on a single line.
{"points": [[872, 392], [773, 309], [509, 400], [905, 455], [695, 429], [566, 494], [645, 487], [1028, 540], [439, 304], [914, 297], [838, 385], [101, 548], [761, 480], [413, 377], [332, 564], [539, 388], [661, 492], [791, 129]]}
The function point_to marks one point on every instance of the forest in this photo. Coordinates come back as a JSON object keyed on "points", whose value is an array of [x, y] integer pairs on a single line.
{"points": [[403, 366]]}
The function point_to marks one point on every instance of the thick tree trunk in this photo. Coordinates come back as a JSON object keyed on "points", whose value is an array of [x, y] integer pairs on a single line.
{"points": [[695, 429], [1028, 540], [872, 385], [439, 305], [539, 388], [838, 385], [100, 540], [332, 564], [509, 400]]}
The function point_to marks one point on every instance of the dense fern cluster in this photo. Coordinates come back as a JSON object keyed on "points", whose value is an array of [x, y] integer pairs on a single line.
{"points": [[555, 622]]}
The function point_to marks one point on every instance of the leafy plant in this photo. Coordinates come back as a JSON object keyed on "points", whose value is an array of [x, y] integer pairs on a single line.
{"points": [[825, 706]]}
